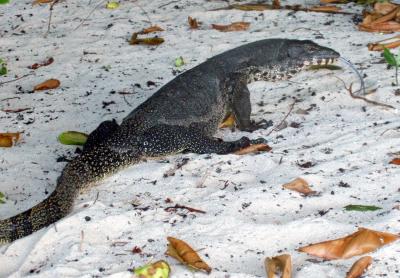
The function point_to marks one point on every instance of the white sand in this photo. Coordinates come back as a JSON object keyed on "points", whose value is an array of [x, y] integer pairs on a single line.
{"points": [[249, 219]]}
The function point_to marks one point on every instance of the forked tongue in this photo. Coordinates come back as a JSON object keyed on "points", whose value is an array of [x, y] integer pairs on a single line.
{"points": [[353, 68]]}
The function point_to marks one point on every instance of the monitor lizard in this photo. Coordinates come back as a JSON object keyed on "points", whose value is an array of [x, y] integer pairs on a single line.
{"points": [[183, 115]]}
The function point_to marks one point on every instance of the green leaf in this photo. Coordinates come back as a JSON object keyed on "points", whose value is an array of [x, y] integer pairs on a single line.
{"points": [[4, 1], [2, 201], [72, 138], [3, 66], [389, 57], [159, 269], [361, 208], [112, 5], [179, 62]]}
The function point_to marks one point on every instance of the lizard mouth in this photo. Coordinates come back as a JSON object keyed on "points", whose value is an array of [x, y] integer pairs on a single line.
{"points": [[322, 61]]}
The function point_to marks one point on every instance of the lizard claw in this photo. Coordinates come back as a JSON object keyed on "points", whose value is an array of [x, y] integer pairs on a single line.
{"points": [[259, 141]]}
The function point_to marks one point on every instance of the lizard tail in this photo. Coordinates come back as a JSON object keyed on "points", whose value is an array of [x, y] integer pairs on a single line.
{"points": [[80, 173]]}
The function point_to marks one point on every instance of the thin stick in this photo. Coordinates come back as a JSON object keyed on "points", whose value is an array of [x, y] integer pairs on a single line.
{"points": [[284, 119], [350, 90], [143, 10], [16, 79], [50, 16], [169, 3], [177, 206], [91, 12]]}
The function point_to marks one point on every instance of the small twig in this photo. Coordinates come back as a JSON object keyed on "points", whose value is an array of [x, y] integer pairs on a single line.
{"points": [[91, 12], [308, 29], [8, 98], [177, 206], [350, 90], [126, 101], [97, 197], [82, 238], [284, 119], [169, 3], [15, 110], [16, 79], [50, 16], [143, 10]]}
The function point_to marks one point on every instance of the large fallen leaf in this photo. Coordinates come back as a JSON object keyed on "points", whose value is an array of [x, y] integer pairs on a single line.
{"points": [[359, 267], [255, 148], [299, 185], [235, 26], [8, 139], [384, 7], [181, 251], [47, 85], [358, 243], [159, 269], [282, 262]]}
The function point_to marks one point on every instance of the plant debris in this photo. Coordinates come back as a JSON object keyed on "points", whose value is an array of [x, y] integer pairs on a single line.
{"points": [[233, 27], [361, 242], [254, 148], [361, 208], [359, 267], [47, 85], [45, 63], [9, 139], [299, 185], [148, 41], [159, 269], [72, 138], [181, 251], [282, 263]]}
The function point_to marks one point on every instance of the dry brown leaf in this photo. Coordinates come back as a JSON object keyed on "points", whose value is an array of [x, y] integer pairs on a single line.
{"points": [[325, 9], [148, 41], [181, 251], [384, 27], [299, 185], [251, 7], [381, 46], [358, 243], [384, 7], [334, 1], [193, 23], [45, 63], [282, 262], [228, 122], [47, 85], [235, 26], [8, 139], [387, 17], [255, 148], [151, 29], [395, 161], [359, 267], [42, 2]]}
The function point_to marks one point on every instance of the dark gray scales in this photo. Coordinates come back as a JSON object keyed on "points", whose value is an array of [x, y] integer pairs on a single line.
{"points": [[183, 115]]}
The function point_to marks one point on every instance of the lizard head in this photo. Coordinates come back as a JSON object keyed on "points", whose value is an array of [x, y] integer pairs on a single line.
{"points": [[304, 53]]}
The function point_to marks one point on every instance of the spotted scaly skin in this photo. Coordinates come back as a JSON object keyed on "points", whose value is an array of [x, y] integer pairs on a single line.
{"points": [[183, 115]]}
